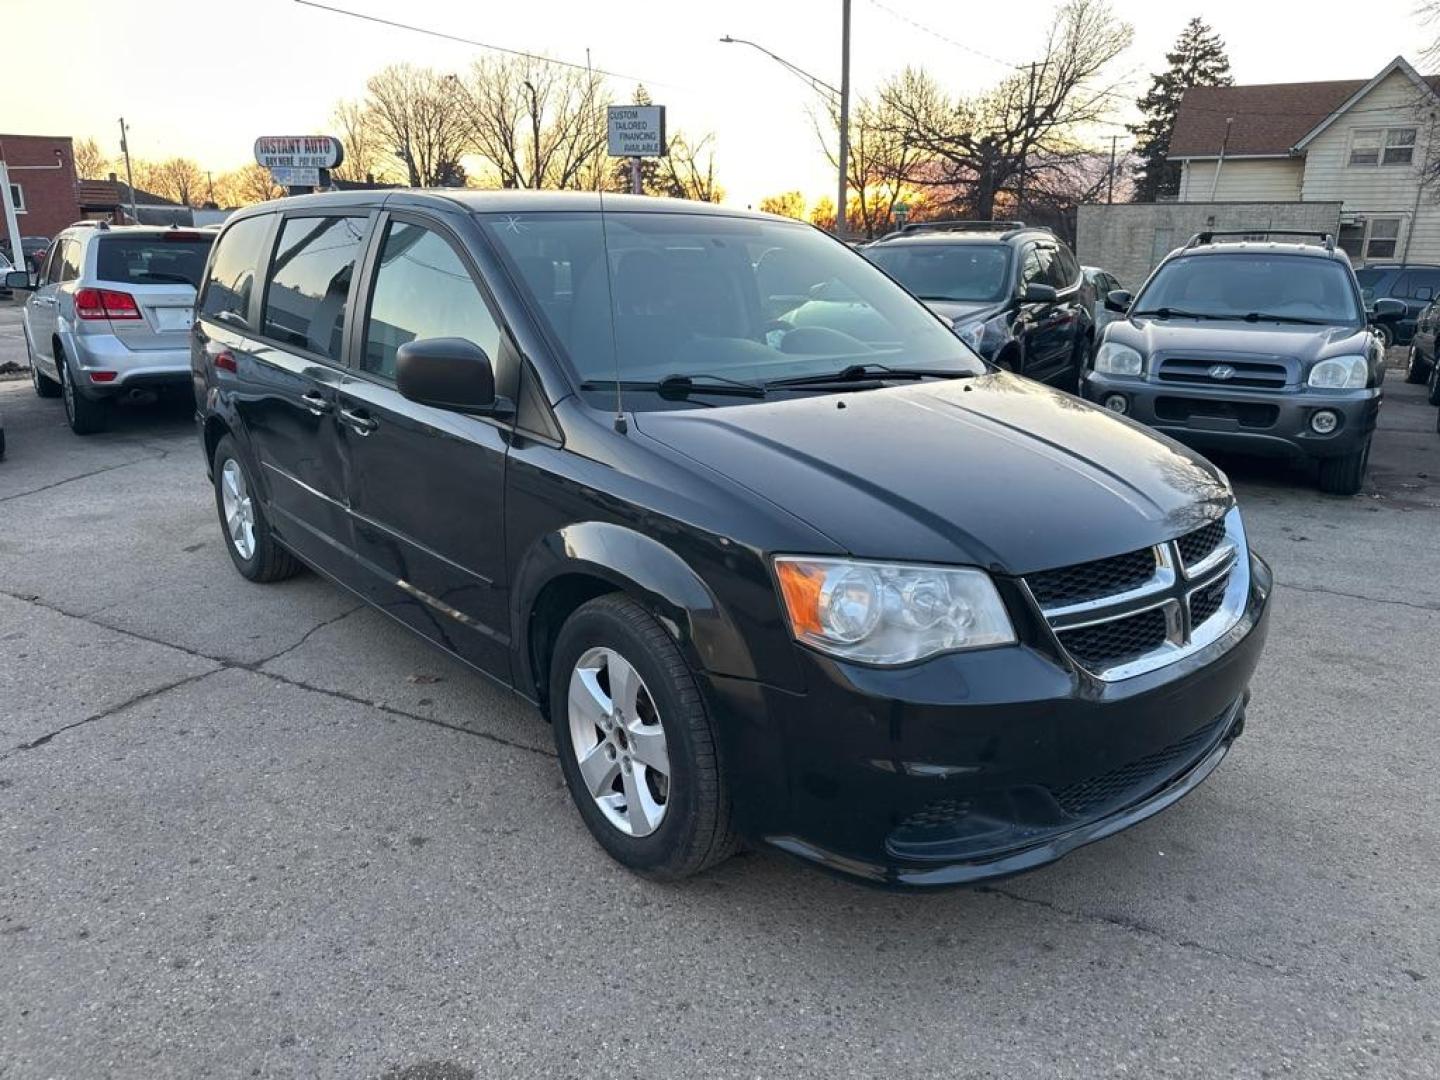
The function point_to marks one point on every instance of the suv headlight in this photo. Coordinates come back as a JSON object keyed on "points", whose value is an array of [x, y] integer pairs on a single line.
{"points": [[1116, 359], [1340, 373], [890, 613], [983, 335]]}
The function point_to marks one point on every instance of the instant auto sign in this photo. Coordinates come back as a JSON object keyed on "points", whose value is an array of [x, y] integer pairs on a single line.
{"points": [[299, 151]]}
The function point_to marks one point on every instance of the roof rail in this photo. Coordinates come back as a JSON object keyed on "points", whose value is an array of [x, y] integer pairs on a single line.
{"points": [[1204, 238], [961, 225]]}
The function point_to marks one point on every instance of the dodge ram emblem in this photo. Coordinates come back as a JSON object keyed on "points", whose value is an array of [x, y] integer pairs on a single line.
{"points": [[1222, 372]]}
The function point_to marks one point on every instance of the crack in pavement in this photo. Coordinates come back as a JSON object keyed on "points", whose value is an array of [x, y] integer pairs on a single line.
{"points": [[83, 476], [254, 668], [1141, 930], [1359, 596], [307, 635]]}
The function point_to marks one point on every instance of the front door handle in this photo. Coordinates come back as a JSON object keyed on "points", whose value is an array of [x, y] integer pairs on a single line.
{"points": [[316, 403], [361, 422]]}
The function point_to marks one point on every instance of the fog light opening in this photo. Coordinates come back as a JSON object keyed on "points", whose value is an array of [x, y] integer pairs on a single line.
{"points": [[1324, 421], [1117, 403]]}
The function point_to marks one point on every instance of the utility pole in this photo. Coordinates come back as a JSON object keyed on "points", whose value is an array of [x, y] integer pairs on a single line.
{"points": [[1220, 162], [129, 177], [1110, 180], [841, 226]]}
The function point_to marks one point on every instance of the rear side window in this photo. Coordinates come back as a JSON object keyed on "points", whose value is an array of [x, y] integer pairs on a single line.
{"points": [[1065, 266], [310, 282], [69, 260], [232, 273], [422, 290], [167, 259]]}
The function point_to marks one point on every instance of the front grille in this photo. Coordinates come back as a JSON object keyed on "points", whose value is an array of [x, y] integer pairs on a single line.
{"points": [[1248, 414], [1195, 546], [1087, 581], [1251, 374], [1105, 644], [1206, 602], [1132, 781]]}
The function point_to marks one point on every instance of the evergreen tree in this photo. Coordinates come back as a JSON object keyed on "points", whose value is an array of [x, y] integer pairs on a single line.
{"points": [[1198, 59]]}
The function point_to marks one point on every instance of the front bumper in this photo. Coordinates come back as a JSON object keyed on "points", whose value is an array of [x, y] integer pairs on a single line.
{"points": [[135, 369], [1273, 423], [977, 765]]}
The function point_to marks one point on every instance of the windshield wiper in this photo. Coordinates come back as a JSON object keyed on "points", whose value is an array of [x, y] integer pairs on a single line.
{"points": [[1261, 316], [871, 371], [1177, 313], [678, 385]]}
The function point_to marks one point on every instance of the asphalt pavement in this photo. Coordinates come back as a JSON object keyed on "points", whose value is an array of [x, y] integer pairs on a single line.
{"points": [[261, 831]]}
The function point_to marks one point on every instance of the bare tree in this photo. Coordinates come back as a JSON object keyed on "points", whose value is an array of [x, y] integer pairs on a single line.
{"points": [[359, 135], [179, 180], [537, 124], [985, 145], [787, 204], [687, 171], [884, 160], [419, 120], [90, 161], [246, 185]]}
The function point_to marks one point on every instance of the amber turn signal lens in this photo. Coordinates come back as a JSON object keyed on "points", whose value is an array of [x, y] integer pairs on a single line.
{"points": [[800, 586]]}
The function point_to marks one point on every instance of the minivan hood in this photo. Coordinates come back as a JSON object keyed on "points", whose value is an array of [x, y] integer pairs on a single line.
{"points": [[992, 471], [1215, 337]]}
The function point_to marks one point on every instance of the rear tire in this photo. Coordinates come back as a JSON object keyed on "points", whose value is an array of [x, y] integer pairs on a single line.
{"points": [[86, 417], [680, 823], [1386, 335], [1434, 395], [1344, 475], [252, 548], [1414, 370]]}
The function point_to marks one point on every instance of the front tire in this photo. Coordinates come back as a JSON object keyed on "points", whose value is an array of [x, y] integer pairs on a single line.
{"points": [[45, 386], [636, 742], [85, 417], [1344, 475], [1434, 395], [1414, 369], [252, 548]]}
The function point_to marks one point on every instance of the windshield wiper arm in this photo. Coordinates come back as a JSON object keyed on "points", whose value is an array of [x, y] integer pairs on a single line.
{"points": [[1261, 316], [870, 371], [1177, 313], [678, 385]]}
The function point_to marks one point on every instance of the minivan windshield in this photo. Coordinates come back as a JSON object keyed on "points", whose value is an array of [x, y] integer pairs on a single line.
{"points": [[960, 272], [1285, 288], [711, 300]]}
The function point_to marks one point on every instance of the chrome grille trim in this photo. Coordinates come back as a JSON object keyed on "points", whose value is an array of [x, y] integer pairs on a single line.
{"points": [[1172, 587]]}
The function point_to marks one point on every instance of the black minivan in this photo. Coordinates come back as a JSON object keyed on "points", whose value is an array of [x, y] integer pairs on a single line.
{"points": [[778, 556]]}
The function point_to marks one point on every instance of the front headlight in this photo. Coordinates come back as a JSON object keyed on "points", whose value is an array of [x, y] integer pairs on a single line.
{"points": [[1340, 373], [889, 613], [983, 335], [1116, 359]]}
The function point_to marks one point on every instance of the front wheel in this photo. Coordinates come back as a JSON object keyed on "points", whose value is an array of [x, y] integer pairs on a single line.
{"points": [[636, 743], [1414, 367], [1344, 475], [45, 386], [1434, 395], [1386, 335], [253, 550]]}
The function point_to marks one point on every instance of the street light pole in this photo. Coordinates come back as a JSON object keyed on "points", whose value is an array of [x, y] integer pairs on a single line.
{"points": [[841, 226], [129, 179]]}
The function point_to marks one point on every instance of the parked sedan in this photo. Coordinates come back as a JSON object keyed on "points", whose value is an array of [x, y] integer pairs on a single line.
{"points": [[787, 564]]}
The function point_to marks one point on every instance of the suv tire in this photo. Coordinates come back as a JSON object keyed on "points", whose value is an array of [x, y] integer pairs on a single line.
{"points": [[85, 417], [679, 823], [253, 550], [1345, 474], [1434, 387], [45, 386], [1386, 335], [1414, 372]]}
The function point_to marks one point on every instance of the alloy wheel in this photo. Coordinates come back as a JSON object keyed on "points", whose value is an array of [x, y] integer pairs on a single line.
{"points": [[67, 389], [619, 742], [239, 508]]}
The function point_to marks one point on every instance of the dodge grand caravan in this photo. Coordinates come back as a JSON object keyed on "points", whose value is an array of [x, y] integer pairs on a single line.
{"points": [[793, 567]]}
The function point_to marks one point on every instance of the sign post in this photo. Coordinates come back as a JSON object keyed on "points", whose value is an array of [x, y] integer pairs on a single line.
{"points": [[635, 132], [299, 163]]}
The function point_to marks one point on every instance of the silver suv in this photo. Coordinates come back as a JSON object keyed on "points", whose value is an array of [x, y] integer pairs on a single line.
{"points": [[110, 315]]}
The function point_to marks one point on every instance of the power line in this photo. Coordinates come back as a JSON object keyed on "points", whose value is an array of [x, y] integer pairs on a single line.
{"points": [[478, 44], [942, 37]]}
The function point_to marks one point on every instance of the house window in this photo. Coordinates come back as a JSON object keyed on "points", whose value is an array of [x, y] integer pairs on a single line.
{"points": [[17, 197], [1352, 240], [1382, 238], [1382, 146]]}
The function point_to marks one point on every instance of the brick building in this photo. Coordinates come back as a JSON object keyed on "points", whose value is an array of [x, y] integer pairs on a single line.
{"points": [[42, 181]]}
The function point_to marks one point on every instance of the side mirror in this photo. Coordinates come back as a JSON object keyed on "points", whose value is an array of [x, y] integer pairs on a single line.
{"points": [[1118, 300], [447, 373], [1388, 310], [17, 279], [1035, 293]]}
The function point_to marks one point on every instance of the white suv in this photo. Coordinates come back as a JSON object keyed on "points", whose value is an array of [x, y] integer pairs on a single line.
{"points": [[110, 315]]}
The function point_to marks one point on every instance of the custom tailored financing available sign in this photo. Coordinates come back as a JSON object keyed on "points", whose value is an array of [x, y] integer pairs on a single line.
{"points": [[636, 130], [289, 176]]}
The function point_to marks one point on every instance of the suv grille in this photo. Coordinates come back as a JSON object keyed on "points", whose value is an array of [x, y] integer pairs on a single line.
{"points": [[1131, 613], [1252, 374], [1132, 781], [1195, 546], [1086, 581], [1108, 643]]}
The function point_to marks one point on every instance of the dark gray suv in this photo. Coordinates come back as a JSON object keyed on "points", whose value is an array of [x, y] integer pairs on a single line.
{"points": [[1259, 346]]}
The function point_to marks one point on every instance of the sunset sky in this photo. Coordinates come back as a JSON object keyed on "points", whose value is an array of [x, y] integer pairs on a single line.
{"points": [[202, 79]]}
